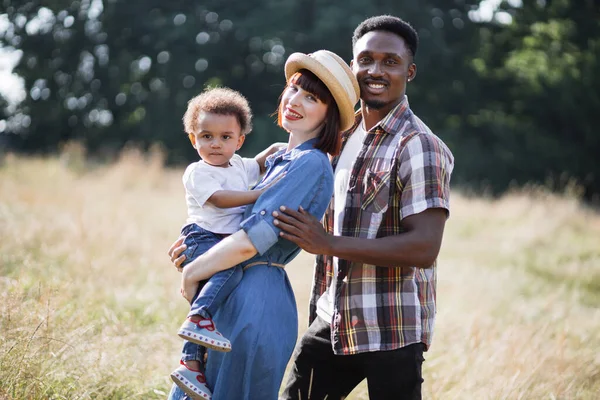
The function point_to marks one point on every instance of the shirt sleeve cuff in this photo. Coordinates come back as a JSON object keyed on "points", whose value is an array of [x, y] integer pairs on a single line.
{"points": [[260, 232], [423, 205]]}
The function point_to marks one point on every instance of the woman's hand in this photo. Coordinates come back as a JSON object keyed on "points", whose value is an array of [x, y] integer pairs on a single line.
{"points": [[175, 253], [229, 252], [189, 285]]}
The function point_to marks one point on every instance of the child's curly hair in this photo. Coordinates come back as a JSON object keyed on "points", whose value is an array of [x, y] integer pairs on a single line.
{"points": [[222, 101]]}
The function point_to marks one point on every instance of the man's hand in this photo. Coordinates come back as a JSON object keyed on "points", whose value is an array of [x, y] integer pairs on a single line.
{"points": [[303, 229], [189, 286], [175, 253]]}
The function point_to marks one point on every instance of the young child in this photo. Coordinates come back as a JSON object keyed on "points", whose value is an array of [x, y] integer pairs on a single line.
{"points": [[216, 189]]}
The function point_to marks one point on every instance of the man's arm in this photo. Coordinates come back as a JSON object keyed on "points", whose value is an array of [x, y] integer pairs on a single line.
{"points": [[418, 246]]}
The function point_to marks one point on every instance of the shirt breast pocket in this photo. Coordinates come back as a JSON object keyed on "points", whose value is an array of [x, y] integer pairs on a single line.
{"points": [[376, 191]]}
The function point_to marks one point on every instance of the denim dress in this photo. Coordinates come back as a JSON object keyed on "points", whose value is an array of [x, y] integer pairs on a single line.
{"points": [[260, 316]]}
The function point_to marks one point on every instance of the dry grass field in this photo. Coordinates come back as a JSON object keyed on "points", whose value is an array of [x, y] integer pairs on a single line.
{"points": [[89, 303]]}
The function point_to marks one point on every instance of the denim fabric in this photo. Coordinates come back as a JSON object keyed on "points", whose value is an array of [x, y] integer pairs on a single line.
{"points": [[260, 317], [308, 182], [211, 293]]}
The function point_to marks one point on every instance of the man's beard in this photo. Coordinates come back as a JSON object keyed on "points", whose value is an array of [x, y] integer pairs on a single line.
{"points": [[375, 104]]}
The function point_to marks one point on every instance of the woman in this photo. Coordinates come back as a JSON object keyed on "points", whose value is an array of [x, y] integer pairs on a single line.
{"points": [[260, 317]]}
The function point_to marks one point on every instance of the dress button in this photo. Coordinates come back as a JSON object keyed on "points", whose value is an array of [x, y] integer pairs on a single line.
{"points": [[262, 212]]}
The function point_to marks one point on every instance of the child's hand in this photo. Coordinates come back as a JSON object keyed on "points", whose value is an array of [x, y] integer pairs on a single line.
{"points": [[275, 147], [262, 156]]}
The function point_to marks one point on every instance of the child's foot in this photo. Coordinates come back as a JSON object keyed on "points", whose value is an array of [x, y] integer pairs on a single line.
{"points": [[192, 382], [204, 333], [193, 365]]}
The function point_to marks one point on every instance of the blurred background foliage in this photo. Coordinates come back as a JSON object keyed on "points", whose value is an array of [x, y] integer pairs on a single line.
{"points": [[516, 94]]}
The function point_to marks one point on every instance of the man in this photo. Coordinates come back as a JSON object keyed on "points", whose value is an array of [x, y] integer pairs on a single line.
{"points": [[372, 308]]}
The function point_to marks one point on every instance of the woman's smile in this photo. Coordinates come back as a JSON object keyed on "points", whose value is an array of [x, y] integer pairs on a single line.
{"points": [[292, 115]]}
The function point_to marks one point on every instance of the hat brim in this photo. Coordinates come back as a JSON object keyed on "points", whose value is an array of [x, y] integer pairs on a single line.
{"points": [[298, 61]]}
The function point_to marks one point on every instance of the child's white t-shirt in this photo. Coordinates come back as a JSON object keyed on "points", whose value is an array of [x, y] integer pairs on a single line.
{"points": [[201, 180]]}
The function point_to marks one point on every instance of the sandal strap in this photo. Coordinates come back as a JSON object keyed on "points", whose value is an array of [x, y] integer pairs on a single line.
{"points": [[206, 323], [190, 369]]}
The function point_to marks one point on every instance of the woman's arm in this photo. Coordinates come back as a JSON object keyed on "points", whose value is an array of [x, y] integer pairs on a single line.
{"points": [[230, 251]]}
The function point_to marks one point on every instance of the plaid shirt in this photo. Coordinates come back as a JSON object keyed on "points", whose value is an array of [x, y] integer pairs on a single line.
{"points": [[402, 169]]}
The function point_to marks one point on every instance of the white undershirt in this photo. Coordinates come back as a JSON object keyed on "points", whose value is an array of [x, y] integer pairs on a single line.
{"points": [[342, 174]]}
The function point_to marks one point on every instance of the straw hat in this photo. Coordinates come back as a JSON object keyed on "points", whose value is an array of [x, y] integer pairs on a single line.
{"points": [[335, 74]]}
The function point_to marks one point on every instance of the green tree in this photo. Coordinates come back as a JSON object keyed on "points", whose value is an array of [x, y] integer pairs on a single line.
{"points": [[515, 102], [537, 97], [111, 72]]}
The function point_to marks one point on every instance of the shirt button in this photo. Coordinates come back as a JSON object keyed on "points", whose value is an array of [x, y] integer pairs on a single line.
{"points": [[262, 212]]}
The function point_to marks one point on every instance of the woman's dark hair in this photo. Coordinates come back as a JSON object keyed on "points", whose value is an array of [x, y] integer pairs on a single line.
{"points": [[389, 23], [329, 139]]}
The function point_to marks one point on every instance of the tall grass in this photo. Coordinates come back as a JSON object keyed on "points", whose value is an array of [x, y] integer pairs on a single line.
{"points": [[89, 301], [90, 304]]}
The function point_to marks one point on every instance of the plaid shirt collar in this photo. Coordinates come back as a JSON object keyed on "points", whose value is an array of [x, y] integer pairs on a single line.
{"points": [[390, 124]]}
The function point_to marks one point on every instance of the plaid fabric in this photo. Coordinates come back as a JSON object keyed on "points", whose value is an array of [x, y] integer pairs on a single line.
{"points": [[402, 169]]}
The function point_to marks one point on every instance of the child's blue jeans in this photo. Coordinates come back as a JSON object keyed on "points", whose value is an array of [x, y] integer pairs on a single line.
{"points": [[212, 292]]}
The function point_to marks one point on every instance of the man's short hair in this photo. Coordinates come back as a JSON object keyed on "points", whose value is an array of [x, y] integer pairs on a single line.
{"points": [[222, 101], [388, 23]]}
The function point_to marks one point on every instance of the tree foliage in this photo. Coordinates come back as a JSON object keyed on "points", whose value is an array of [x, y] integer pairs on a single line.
{"points": [[515, 101], [537, 97]]}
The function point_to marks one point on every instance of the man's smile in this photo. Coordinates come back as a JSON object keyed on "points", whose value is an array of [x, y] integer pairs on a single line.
{"points": [[375, 86]]}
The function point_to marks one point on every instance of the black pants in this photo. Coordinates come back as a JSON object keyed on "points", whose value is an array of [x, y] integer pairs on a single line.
{"points": [[318, 374]]}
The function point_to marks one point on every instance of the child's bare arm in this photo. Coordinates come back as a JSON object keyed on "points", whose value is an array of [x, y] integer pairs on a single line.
{"points": [[233, 198], [237, 198], [261, 157]]}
